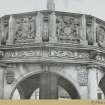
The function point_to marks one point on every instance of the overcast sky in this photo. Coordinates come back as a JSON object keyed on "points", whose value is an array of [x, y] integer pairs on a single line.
{"points": [[93, 7]]}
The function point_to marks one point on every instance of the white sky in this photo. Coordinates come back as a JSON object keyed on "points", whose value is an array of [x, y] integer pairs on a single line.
{"points": [[93, 7]]}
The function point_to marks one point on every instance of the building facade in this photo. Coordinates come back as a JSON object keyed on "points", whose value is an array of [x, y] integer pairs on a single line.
{"points": [[52, 54]]}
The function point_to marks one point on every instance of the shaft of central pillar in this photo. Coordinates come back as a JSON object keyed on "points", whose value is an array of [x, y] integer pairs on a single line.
{"points": [[48, 86]]}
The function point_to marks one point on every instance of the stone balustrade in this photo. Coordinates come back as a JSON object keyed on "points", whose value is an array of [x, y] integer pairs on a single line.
{"points": [[52, 27]]}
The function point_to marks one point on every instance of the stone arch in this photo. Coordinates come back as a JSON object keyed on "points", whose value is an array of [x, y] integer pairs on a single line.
{"points": [[35, 73]]}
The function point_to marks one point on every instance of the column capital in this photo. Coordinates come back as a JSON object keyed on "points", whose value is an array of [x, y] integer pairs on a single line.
{"points": [[93, 67]]}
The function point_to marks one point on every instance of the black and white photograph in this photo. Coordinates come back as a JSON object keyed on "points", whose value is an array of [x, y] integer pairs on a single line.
{"points": [[52, 49]]}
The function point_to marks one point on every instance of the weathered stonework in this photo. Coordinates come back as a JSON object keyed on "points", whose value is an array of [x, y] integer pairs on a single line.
{"points": [[50, 47]]}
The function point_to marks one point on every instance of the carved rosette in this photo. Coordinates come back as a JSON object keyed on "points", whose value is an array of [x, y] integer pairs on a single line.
{"points": [[25, 29], [68, 29]]}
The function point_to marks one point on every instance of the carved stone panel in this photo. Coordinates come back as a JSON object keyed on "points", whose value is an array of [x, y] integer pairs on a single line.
{"points": [[101, 35], [25, 28], [82, 77], [68, 29]]}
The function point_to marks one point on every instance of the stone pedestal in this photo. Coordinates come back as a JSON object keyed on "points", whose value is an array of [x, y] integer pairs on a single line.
{"points": [[92, 82], [1, 82]]}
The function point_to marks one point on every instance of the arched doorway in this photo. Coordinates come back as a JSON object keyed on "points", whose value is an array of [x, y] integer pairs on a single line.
{"points": [[48, 86]]}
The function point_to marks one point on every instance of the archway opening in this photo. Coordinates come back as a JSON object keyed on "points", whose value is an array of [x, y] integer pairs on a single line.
{"points": [[46, 85]]}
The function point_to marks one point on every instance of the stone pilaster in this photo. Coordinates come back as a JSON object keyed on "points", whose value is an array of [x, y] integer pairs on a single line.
{"points": [[83, 81], [12, 25], [39, 27], [2, 30], [52, 28], [92, 81], [83, 40], [94, 26], [9, 80], [1, 83]]}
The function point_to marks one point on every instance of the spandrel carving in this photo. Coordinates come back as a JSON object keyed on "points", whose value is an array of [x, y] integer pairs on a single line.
{"points": [[25, 28], [101, 36], [68, 28]]}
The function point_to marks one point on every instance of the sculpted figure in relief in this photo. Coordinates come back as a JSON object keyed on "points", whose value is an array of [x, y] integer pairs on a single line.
{"points": [[101, 36], [25, 28], [67, 28]]}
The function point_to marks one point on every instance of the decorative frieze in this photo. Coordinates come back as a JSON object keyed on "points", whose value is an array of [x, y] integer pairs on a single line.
{"points": [[68, 53], [22, 53]]}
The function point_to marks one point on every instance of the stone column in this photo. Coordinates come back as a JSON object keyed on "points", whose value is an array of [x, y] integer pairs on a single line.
{"points": [[39, 27], [83, 31], [94, 26], [92, 81], [12, 25], [1, 83], [52, 28]]}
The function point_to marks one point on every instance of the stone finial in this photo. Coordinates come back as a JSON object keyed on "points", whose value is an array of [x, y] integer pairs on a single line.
{"points": [[51, 5]]}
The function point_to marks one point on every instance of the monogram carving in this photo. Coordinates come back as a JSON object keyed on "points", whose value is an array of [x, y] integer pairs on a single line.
{"points": [[25, 28], [68, 28]]}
